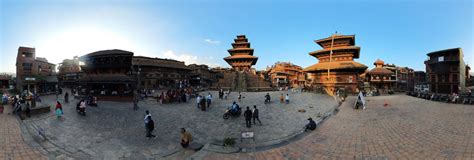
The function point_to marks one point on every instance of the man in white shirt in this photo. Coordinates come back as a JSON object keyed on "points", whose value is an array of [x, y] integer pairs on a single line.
{"points": [[209, 99], [198, 100]]}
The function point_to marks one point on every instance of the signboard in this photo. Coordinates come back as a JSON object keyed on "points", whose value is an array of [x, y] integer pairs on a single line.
{"points": [[30, 79], [360, 101]]}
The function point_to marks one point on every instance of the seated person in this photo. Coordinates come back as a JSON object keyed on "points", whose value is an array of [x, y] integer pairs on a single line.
{"points": [[311, 125], [235, 107], [186, 138]]}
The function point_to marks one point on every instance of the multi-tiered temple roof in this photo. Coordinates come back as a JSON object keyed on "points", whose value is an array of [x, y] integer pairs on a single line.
{"points": [[241, 55], [344, 52]]}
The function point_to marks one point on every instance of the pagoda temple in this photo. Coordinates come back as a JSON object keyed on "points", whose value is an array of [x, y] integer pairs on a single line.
{"points": [[336, 68], [241, 55], [241, 77]]}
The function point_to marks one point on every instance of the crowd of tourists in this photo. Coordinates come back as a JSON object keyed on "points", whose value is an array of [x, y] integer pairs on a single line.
{"points": [[175, 96]]}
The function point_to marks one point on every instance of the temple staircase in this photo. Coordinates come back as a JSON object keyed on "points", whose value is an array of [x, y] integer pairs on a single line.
{"points": [[256, 83], [242, 81]]}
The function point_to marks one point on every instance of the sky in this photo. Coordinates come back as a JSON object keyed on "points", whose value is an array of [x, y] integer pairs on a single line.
{"points": [[401, 32]]}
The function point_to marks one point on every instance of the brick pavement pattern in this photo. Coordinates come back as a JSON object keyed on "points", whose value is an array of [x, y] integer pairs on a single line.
{"points": [[407, 128], [12, 145]]}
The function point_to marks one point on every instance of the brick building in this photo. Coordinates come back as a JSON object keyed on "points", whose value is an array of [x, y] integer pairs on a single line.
{"points": [[202, 75], [34, 74], [159, 73], [108, 75], [446, 71], [69, 72], [286, 74]]}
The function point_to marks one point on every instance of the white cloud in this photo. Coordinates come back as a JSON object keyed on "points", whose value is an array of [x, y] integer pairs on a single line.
{"points": [[190, 59], [215, 42]]}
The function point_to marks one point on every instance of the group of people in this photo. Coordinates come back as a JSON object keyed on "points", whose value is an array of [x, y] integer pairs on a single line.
{"points": [[178, 95], [251, 114], [204, 102], [223, 94]]}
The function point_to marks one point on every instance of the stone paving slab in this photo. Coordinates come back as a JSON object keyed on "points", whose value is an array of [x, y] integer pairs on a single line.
{"points": [[12, 144], [113, 130], [407, 128]]}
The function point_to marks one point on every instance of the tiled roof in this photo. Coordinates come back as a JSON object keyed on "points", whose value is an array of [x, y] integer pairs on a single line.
{"points": [[158, 62], [112, 51], [380, 71], [379, 62], [335, 66], [336, 50], [241, 57], [450, 50], [107, 78], [319, 41]]}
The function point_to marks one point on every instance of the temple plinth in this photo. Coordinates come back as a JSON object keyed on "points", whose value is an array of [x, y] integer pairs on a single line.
{"points": [[241, 55], [337, 70]]}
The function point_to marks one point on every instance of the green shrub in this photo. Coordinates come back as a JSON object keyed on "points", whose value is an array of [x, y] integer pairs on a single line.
{"points": [[229, 141]]}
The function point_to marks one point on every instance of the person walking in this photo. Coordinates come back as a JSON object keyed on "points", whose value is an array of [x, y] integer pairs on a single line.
{"points": [[57, 94], [59, 110], [147, 114], [240, 97], [135, 104], [150, 126], [248, 117], [203, 103], [209, 99], [59, 106], [198, 100], [66, 97], [282, 99], [287, 99], [255, 115], [186, 138]]}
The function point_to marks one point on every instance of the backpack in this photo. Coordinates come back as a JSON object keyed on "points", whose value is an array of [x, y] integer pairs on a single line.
{"points": [[151, 125]]}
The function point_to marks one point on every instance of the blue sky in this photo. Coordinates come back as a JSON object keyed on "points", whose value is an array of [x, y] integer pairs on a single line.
{"points": [[399, 32]]}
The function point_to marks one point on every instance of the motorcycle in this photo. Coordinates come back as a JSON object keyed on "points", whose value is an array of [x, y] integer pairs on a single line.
{"points": [[80, 110], [229, 113], [92, 101], [267, 100]]}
